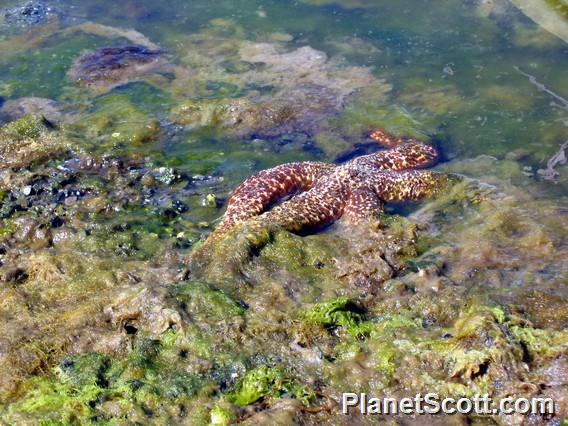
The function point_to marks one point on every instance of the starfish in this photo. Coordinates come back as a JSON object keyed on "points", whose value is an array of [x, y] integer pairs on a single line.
{"points": [[321, 193]]}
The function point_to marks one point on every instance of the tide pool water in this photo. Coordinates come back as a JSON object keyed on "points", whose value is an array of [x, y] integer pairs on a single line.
{"points": [[125, 127]]}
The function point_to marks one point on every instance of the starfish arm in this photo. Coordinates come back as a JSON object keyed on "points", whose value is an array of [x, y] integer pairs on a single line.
{"points": [[257, 192], [319, 206], [412, 155], [389, 140], [406, 185], [363, 203], [386, 139]]}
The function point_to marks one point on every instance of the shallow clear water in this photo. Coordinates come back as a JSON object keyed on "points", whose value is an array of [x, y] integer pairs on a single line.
{"points": [[451, 65]]}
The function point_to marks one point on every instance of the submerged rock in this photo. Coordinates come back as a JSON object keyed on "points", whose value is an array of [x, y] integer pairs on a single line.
{"points": [[116, 122], [18, 108], [106, 31], [109, 67], [351, 258], [276, 90], [31, 13]]}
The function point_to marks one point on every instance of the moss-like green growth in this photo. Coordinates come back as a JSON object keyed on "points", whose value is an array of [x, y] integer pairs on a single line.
{"points": [[263, 382], [206, 112], [93, 387], [29, 127], [28, 141], [48, 64], [541, 344], [362, 117], [310, 259], [7, 228], [68, 397], [55, 403], [222, 416], [326, 261], [126, 237], [234, 116], [201, 299], [257, 384], [116, 122], [340, 312], [84, 370]]}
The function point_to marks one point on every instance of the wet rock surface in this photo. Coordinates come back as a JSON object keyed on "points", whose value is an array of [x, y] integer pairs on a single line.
{"points": [[15, 109], [27, 141], [109, 67], [313, 89]]}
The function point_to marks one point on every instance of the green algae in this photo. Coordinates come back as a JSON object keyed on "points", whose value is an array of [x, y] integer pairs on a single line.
{"points": [[340, 312], [30, 141], [209, 303], [467, 361], [400, 335], [116, 123], [148, 99], [362, 117], [265, 382], [29, 127], [84, 387], [43, 72], [148, 383], [222, 416], [307, 259], [239, 116], [208, 113], [257, 384], [57, 403], [541, 344], [7, 228]]}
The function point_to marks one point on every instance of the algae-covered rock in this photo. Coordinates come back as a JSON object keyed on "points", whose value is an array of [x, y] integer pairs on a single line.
{"points": [[116, 122], [245, 92], [457, 317], [89, 281], [361, 257], [104, 321], [504, 235], [87, 387], [28, 141], [257, 384], [271, 325], [239, 116], [340, 312]]}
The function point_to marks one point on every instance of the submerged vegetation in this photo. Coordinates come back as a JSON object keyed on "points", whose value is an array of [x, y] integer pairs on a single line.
{"points": [[119, 148]]}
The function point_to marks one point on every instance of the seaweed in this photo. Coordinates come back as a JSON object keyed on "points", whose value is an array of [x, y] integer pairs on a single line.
{"points": [[340, 312]]}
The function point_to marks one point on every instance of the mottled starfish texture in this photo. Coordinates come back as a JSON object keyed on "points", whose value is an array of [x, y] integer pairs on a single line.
{"points": [[321, 193]]}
